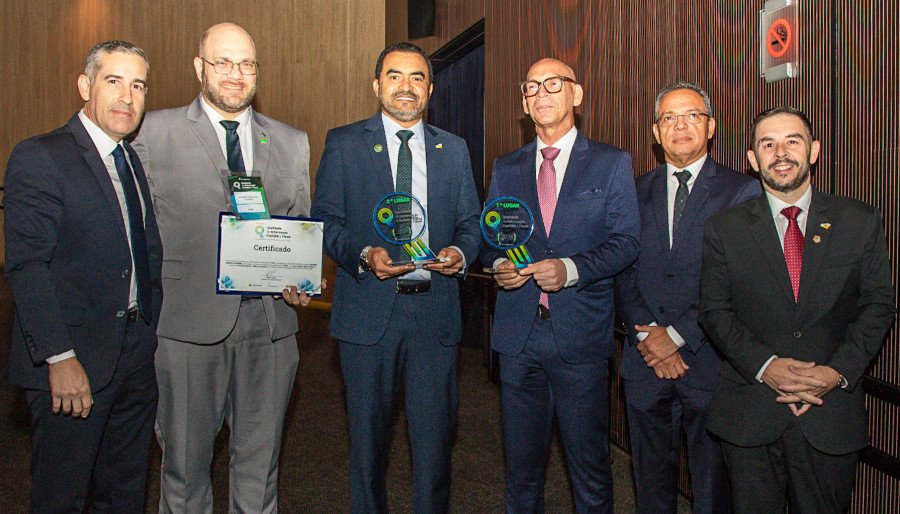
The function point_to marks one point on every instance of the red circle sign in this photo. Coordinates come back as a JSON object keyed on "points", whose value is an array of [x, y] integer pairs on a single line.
{"points": [[779, 37]]}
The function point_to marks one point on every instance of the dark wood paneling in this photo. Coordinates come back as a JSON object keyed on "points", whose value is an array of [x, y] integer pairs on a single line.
{"points": [[624, 51]]}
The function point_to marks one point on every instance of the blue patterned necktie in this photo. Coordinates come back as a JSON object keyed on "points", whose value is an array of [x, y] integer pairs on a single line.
{"points": [[136, 232], [681, 196], [233, 146]]}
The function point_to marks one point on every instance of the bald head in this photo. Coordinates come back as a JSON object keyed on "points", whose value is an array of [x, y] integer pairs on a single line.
{"points": [[224, 31], [553, 112], [550, 65]]}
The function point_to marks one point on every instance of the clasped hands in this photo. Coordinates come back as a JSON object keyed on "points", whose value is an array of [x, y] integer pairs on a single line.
{"points": [[549, 274], [661, 353], [380, 263], [800, 384]]}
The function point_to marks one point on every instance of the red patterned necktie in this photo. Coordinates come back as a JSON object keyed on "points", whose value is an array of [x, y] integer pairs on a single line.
{"points": [[793, 247], [547, 196]]}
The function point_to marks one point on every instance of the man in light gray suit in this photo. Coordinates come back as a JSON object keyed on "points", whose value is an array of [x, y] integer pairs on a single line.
{"points": [[220, 357]]}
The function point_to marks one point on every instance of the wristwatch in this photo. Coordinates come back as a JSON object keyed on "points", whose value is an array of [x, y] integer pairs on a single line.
{"points": [[364, 259], [842, 382]]}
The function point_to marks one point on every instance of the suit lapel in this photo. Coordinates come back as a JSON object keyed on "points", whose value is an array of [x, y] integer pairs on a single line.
{"points": [[763, 231], [261, 146], [98, 168], [571, 183], [659, 202], [696, 200], [377, 148], [815, 245], [528, 179], [434, 163], [206, 135]]}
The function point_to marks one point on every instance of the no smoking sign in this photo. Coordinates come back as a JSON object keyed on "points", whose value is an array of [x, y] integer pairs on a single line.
{"points": [[778, 40]]}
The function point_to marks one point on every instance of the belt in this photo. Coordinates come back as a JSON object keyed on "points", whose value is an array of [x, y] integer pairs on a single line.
{"points": [[245, 297], [132, 315], [543, 312], [413, 286]]}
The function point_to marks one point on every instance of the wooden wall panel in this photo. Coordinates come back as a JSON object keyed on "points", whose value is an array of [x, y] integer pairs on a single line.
{"points": [[316, 58], [624, 51], [451, 17]]}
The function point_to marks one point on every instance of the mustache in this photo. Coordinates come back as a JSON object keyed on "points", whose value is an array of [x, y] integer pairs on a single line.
{"points": [[784, 160], [405, 93]]}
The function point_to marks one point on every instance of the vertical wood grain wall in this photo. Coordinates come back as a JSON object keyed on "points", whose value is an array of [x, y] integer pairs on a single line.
{"points": [[316, 58]]}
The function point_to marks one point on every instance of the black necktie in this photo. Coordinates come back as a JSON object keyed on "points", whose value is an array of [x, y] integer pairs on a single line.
{"points": [[233, 146], [404, 182], [136, 231], [681, 196]]}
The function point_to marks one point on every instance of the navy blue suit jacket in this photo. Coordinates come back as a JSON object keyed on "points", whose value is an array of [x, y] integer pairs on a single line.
{"points": [[663, 285], [595, 224], [68, 260], [353, 176]]}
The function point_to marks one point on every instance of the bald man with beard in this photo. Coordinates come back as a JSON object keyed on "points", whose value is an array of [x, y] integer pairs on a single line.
{"points": [[221, 357], [553, 324]]}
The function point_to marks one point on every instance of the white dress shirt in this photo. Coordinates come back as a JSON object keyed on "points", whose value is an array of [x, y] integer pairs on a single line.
{"points": [[105, 146], [244, 132]]}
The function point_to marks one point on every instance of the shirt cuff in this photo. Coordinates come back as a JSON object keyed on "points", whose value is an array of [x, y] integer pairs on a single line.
{"points": [[53, 359], [762, 370], [362, 255], [676, 337], [571, 272], [498, 261], [640, 336]]}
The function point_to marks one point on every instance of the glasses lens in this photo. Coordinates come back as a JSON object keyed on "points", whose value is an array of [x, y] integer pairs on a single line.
{"points": [[553, 85], [248, 67], [529, 88]]}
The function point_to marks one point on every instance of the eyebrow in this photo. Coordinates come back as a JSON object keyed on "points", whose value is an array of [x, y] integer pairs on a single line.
{"points": [[415, 73], [114, 76], [789, 136]]}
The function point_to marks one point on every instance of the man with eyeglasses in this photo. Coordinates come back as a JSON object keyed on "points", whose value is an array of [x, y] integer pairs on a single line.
{"points": [[221, 357], [669, 370], [553, 324]]}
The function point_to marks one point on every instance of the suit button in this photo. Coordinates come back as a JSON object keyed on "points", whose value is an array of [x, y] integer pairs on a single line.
{"points": [[125, 273], [120, 314], [548, 251], [662, 309], [29, 339], [797, 335]]}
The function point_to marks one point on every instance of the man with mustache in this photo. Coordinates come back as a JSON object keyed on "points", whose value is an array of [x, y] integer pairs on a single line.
{"points": [[795, 292], [85, 327], [553, 324], [668, 370], [398, 326], [221, 357]]}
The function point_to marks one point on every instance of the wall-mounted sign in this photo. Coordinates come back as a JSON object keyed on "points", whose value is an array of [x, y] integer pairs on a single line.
{"points": [[778, 40]]}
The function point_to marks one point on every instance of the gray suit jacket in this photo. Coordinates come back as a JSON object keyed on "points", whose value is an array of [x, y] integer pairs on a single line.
{"points": [[183, 159]]}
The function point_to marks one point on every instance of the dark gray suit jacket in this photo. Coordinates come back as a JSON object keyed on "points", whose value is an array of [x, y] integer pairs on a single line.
{"points": [[846, 304]]}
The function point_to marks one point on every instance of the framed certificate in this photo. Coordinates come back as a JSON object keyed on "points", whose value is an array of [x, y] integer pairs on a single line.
{"points": [[264, 256]]}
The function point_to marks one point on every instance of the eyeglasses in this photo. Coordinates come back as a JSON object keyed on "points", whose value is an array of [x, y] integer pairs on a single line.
{"points": [[691, 118], [224, 66], [551, 85]]}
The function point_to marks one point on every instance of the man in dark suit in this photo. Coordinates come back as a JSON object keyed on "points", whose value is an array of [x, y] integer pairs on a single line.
{"points": [[83, 259], [398, 326], [553, 324], [795, 292], [668, 370], [221, 358]]}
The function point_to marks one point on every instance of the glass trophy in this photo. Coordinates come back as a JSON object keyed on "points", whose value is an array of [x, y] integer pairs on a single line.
{"points": [[506, 225], [400, 219]]}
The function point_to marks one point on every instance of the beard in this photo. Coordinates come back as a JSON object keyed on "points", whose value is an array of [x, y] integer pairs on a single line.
{"points": [[227, 104], [791, 185], [404, 115]]}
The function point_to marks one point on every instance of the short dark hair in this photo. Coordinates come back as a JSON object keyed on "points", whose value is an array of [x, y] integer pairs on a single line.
{"points": [[777, 111], [92, 62], [404, 47], [677, 86]]}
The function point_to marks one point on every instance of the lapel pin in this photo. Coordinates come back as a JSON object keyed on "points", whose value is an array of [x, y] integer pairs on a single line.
{"points": [[378, 148], [439, 146], [826, 226], [262, 138], [817, 239]]}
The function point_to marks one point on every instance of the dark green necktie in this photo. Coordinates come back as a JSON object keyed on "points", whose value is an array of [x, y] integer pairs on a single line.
{"points": [[404, 182], [681, 196], [233, 146]]}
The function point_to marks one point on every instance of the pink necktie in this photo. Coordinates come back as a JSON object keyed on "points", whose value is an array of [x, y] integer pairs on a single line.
{"points": [[793, 247], [547, 196]]}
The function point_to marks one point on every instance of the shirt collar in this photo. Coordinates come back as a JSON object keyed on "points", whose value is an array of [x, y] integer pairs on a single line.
{"points": [[693, 167], [776, 204], [105, 144], [391, 127], [564, 144], [214, 116]]}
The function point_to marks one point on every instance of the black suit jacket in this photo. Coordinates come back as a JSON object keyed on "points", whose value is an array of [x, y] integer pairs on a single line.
{"points": [[663, 284], [845, 306], [68, 261]]}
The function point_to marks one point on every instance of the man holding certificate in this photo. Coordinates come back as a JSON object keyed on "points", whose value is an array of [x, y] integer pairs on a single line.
{"points": [[390, 189], [553, 324], [222, 357]]}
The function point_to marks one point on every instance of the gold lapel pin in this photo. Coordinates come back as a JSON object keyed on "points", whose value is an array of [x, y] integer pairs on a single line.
{"points": [[439, 146], [378, 148], [817, 239], [826, 226]]}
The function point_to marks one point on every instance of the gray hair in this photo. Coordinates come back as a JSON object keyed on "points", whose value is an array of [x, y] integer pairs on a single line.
{"points": [[683, 85], [92, 63]]}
